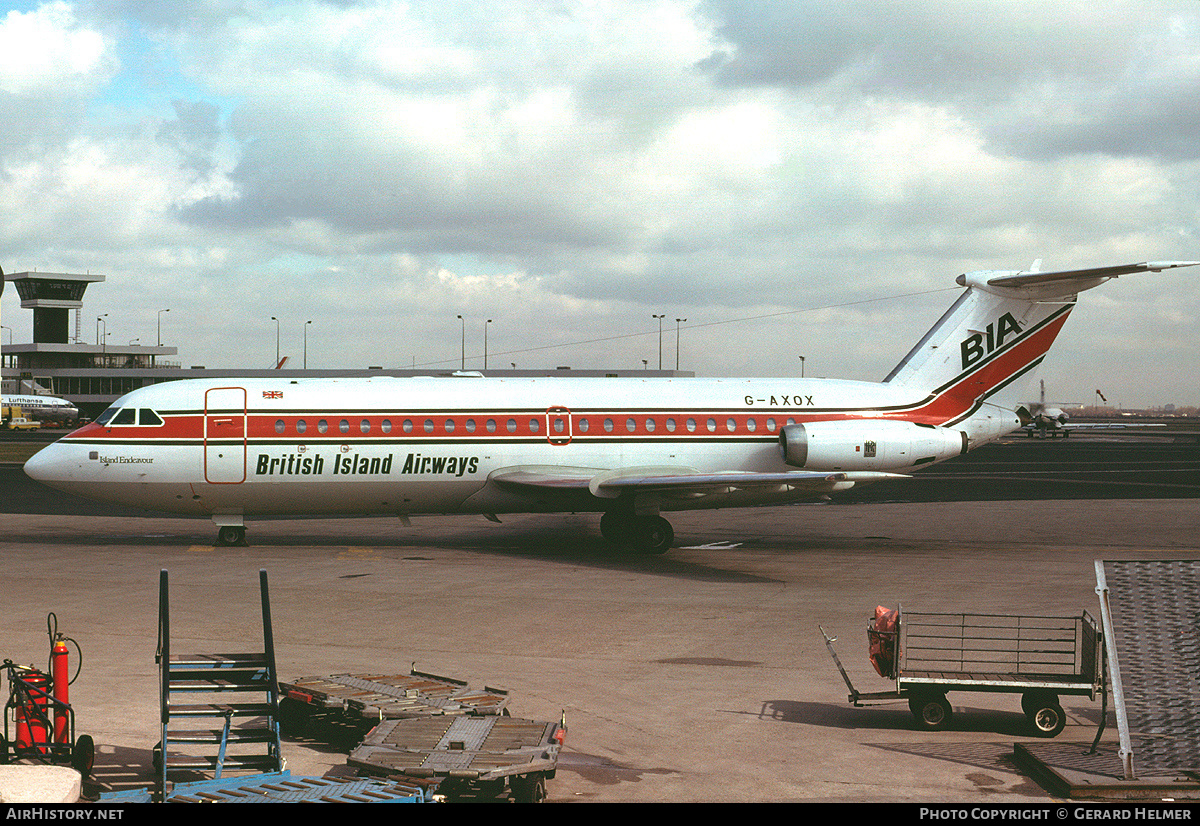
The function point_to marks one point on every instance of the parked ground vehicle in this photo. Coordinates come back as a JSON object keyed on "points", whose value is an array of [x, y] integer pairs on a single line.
{"points": [[931, 654]]}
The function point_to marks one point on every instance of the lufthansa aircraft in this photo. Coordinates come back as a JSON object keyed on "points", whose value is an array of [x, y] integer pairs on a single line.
{"points": [[627, 448], [43, 408]]}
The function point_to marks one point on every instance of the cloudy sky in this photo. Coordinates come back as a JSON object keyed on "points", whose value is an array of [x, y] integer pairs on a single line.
{"points": [[793, 178]]}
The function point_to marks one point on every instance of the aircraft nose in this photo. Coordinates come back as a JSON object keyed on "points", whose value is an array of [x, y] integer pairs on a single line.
{"points": [[46, 465]]}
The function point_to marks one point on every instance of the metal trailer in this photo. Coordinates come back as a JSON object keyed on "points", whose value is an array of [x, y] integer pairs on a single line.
{"points": [[479, 756], [1039, 657]]}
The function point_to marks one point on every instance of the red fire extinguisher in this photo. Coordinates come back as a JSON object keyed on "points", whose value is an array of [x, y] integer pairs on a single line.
{"points": [[30, 715], [61, 682]]}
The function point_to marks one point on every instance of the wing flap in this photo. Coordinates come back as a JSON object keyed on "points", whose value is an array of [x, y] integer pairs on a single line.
{"points": [[610, 483]]}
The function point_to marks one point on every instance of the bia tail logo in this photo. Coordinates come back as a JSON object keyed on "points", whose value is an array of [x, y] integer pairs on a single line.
{"points": [[981, 344]]}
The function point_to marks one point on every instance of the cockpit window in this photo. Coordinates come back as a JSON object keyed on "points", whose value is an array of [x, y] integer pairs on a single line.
{"points": [[147, 416], [126, 416], [106, 415]]}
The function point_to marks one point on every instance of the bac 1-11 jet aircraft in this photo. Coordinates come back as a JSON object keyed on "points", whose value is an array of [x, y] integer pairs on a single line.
{"points": [[628, 448]]}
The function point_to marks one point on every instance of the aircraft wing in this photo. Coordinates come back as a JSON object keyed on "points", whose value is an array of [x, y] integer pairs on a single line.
{"points": [[610, 483], [1106, 426]]}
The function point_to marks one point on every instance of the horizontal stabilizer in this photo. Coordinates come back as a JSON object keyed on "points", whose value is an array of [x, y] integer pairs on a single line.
{"points": [[1023, 279]]}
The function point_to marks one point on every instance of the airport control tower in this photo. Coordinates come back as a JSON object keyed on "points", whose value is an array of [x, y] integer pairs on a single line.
{"points": [[51, 296]]}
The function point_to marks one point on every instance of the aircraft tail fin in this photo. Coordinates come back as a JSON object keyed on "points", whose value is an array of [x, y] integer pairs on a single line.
{"points": [[985, 348]]}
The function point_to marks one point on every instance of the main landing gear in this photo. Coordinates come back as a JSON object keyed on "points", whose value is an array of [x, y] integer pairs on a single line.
{"points": [[228, 535], [647, 534]]}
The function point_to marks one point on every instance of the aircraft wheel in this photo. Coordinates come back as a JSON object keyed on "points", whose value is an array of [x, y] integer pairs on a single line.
{"points": [[614, 527], [933, 712], [653, 535], [231, 535]]}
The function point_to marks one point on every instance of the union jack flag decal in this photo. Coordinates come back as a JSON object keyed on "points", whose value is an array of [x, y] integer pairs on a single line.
{"points": [[272, 394]]}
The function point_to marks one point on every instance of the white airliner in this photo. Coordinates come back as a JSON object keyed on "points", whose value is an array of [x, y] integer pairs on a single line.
{"points": [[43, 408], [629, 448]]}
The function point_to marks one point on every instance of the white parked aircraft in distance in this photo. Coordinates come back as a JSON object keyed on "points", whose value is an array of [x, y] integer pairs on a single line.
{"points": [[1044, 421], [626, 447], [43, 408]]}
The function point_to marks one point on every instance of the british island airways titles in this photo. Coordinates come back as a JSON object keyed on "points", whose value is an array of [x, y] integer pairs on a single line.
{"points": [[354, 464]]}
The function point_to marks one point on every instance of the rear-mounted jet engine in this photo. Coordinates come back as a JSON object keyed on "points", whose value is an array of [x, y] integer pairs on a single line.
{"points": [[868, 444]]}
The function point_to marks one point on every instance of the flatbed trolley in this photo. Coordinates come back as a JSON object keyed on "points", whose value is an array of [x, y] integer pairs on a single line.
{"points": [[466, 755], [931, 654], [376, 696]]}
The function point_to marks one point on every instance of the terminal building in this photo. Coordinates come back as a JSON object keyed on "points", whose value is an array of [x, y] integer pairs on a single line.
{"points": [[92, 376]]}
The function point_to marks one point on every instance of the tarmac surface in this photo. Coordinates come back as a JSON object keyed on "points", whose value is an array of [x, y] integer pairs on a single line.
{"points": [[699, 675]]}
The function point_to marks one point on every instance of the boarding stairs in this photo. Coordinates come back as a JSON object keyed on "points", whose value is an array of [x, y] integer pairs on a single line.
{"points": [[220, 712]]}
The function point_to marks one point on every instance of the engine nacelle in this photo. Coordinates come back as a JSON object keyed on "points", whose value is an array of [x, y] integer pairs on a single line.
{"points": [[868, 444]]}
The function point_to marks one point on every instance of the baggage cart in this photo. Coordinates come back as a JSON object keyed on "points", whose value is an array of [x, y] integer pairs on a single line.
{"points": [[928, 655]]}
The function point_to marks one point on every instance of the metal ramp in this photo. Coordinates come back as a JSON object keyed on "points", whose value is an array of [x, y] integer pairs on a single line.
{"points": [[203, 730], [281, 787], [1151, 615]]}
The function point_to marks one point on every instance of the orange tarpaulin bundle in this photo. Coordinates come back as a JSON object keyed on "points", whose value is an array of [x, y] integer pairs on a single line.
{"points": [[883, 639]]}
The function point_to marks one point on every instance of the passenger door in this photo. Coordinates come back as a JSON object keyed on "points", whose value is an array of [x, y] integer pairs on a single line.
{"points": [[225, 435]]}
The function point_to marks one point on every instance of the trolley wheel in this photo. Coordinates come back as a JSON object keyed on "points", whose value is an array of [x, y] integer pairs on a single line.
{"points": [[3, 749], [1048, 721], [83, 756], [529, 788], [1031, 701], [293, 715], [933, 711]]}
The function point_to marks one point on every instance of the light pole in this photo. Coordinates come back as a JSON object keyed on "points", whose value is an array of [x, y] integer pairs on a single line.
{"points": [[485, 331], [160, 312], [276, 320], [103, 342], [677, 323], [802, 367], [306, 343], [463, 363], [660, 320]]}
